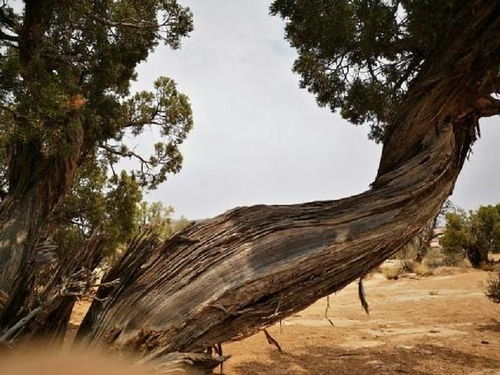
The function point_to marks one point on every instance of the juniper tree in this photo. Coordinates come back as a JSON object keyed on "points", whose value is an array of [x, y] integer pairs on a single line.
{"points": [[65, 110], [422, 74]]}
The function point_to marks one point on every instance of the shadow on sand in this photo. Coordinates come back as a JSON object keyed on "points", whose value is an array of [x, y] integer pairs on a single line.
{"points": [[323, 360]]}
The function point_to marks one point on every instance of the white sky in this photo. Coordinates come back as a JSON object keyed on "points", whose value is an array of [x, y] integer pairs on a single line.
{"points": [[257, 137]]}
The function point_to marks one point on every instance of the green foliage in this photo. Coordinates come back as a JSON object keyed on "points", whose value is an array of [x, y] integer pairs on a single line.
{"points": [[70, 66], [65, 74], [475, 234], [82, 65], [360, 55], [96, 203], [485, 227], [457, 235], [114, 206], [156, 216]]}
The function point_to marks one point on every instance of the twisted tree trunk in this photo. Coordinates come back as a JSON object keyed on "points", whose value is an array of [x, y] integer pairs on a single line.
{"points": [[37, 181], [37, 184], [225, 278]]}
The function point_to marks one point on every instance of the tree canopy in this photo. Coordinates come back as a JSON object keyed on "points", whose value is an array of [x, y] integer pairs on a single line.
{"points": [[75, 60], [360, 56], [475, 234], [65, 75]]}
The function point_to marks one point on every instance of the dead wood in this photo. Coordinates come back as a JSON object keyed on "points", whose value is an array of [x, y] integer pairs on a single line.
{"points": [[228, 277]]}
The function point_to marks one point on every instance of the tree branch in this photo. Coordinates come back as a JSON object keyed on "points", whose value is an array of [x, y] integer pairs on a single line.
{"points": [[488, 106], [11, 38], [5, 19], [254, 259], [125, 154], [135, 24]]}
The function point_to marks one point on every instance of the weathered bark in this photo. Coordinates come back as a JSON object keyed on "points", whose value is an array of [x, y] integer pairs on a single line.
{"points": [[24, 224], [58, 289], [37, 182], [75, 267], [253, 266], [225, 278]]}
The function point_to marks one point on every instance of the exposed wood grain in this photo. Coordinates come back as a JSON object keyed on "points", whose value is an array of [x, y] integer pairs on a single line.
{"points": [[252, 266]]}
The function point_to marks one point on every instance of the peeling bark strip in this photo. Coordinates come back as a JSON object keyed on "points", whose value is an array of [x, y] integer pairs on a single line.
{"points": [[252, 266]]}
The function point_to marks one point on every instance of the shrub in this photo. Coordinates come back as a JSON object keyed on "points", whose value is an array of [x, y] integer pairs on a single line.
{"points": [[392, 273], [434, 258], [493, 288], [422, 270], [454, 259], [476, 234]]}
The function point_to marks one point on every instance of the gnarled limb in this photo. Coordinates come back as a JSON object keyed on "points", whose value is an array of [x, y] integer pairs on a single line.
{"points": [[225, 278]]}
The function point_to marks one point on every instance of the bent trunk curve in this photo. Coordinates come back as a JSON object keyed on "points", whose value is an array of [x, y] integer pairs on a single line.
{"points": [[225, 278]]}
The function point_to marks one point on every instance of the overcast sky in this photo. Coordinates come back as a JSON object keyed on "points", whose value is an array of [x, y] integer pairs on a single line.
{"points": [[258, 138]]}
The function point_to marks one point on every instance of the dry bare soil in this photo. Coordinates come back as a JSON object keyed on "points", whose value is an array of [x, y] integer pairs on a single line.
{"points": [[441, 324], [435, 325]]}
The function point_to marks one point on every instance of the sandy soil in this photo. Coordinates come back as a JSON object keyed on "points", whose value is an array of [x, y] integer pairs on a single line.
{"points": [[435, 325]]}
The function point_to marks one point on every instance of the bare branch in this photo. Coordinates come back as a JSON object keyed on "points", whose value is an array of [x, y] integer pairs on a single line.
{"points": [[362, 296], [327, 308], [134, 24], [11, 38], [126, 154], [69, 288], [6, 338], [271, 340]]}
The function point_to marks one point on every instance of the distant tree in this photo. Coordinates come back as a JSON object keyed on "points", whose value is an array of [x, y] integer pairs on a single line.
{"points": [[419, 245], [157, 217], [485, 227], [474, 234], [97, 203]]}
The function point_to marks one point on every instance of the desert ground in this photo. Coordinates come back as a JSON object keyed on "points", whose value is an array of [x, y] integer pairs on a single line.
{"points": [[442, 324]]}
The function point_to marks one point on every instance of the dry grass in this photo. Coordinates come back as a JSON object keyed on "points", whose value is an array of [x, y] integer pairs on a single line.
{"points": [[434, 258], [422, 270], [392, 273], [493, 288]]}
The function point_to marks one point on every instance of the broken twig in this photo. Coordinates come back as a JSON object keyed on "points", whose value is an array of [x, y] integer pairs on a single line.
{"points": [[362, 296], [328, 309], [271, 340]]}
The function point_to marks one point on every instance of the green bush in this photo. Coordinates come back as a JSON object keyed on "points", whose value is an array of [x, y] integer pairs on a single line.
{"points": [[475, 234]]}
